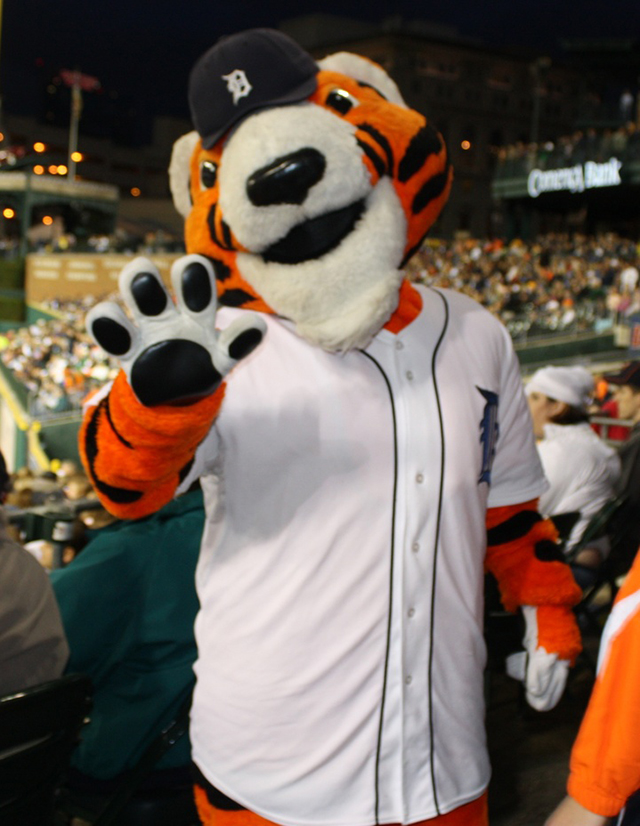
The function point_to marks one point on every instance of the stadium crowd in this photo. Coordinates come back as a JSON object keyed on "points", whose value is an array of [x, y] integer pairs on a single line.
{"points": [[55, 360], [557, 283]]}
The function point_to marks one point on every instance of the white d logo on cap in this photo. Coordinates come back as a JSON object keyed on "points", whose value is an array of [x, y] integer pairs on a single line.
{"points": [[238, 85]]}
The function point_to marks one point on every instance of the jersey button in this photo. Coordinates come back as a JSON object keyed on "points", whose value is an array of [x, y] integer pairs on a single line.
{"points": [[407, 679], [411, 612], [415, 547], [419, 478], [409, 375], [399, 345]]}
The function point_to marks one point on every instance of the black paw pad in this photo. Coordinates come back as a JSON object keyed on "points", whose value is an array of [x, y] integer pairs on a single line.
{"points": [[173, 372], [148, 294], [244, 344], [196, 287], [111, 336]]}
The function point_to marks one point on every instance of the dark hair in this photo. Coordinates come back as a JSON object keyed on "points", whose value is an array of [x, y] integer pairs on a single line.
{"points": [[570, 415]]}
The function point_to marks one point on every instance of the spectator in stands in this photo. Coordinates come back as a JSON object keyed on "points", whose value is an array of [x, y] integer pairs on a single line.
{"points": [[33, 648], [582, 470], [626, 391], [605, 760], [128, 605], [629, 278], [607, 407]]}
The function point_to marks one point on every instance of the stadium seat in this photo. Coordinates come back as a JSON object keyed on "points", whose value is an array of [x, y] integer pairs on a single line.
{"points": [[39, 728]]}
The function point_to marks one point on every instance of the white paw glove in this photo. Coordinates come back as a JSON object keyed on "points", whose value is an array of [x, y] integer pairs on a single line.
{"points": [[543, 674], [172, 352]]}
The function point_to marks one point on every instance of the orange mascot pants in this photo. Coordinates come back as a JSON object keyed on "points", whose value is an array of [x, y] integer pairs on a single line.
{"points": [[471, 814]]}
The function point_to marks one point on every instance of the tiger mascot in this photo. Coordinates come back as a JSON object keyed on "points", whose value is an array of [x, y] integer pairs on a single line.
{"points": [[369, 456]]}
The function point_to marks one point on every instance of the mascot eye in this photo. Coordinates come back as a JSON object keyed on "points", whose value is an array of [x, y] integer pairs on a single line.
{"points": [[208, 174], [341, 101]]}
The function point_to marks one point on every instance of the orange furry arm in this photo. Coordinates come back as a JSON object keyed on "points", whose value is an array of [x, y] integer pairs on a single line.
{"points": [[136, 456], [524, 557]]}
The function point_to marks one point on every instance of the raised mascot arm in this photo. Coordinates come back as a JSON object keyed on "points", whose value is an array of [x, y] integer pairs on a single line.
{"points": [[138, 442]]}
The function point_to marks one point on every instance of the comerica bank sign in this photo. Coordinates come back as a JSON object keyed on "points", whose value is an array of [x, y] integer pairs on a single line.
{"points": [[589, 175]]}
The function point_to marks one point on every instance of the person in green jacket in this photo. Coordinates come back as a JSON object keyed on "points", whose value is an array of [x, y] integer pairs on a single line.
{"points": [[128, 605]]}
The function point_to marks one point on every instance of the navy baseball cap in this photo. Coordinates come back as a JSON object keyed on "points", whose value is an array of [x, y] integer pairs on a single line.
{"points": [[630, 374], [244, 72]]}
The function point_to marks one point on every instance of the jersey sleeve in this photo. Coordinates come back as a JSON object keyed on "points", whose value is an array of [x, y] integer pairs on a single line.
{"points": [[517, 474], [605, 760]]}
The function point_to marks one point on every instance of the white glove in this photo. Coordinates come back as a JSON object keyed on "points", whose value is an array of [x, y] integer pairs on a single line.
{"points": [[543, 674], [172, 352]]}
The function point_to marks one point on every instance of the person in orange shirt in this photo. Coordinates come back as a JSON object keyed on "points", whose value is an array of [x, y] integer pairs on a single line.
{"points": [[604, 777]]}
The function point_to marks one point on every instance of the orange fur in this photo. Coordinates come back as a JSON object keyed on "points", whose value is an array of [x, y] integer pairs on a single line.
{"points": [[142, 449], [558, 632], [409, 306], [523, 579]]}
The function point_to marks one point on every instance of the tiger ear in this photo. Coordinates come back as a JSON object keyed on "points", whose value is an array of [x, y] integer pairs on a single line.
{"points": [[364, 70], [180, 172]]}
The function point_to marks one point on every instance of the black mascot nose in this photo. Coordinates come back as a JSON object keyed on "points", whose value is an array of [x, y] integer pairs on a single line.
{"points": [[288, 179]]}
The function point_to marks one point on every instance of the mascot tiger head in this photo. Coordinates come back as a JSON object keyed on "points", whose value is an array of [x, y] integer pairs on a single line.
{"points": [[307, 185]]}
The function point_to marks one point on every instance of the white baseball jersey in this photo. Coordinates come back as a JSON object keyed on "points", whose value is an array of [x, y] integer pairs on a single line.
{"points": [[340, 640]]}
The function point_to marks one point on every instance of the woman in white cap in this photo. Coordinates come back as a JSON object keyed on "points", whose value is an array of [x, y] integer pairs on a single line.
{"points": [[582, 469]]}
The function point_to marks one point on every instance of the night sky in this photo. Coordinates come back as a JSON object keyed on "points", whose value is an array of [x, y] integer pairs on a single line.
{"points": [[142, 50]]}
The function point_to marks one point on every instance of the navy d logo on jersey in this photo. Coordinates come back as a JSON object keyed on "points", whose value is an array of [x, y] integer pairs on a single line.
{"points": [[489, 430]]}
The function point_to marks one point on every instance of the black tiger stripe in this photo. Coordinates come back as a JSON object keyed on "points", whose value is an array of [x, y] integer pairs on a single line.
{"points": [[211, 223], [107, 410], [373, 156], [514, 528], [424, 143], [432, 189], [548, 551], [222, 271], [382, 142], [225, 243], [226, 233], [236, 298], [120, 496]]}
